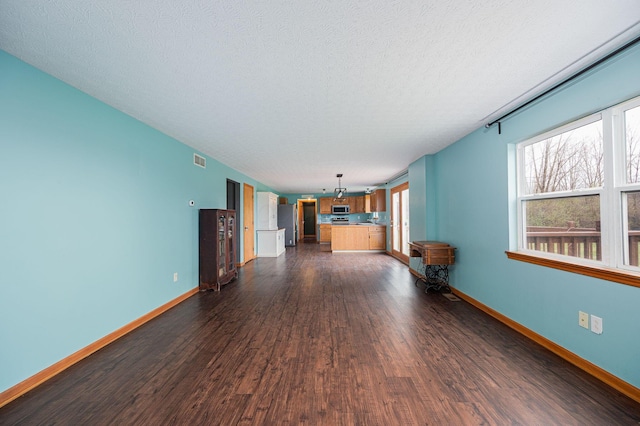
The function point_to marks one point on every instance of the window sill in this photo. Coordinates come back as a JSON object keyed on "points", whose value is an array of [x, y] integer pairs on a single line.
{"points": [[609, 274]]}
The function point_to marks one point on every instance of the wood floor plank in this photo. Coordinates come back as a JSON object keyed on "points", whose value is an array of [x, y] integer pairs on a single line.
{"points": [[322, 339]]}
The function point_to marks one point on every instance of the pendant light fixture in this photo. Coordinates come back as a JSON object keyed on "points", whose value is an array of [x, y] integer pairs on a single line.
{"points": [[339, 192]]}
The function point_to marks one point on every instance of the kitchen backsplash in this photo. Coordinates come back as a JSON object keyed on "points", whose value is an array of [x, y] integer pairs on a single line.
{"points": [[355, 217]]}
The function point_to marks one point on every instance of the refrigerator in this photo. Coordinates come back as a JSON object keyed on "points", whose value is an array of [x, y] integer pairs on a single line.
{"points": [[288, 219]]}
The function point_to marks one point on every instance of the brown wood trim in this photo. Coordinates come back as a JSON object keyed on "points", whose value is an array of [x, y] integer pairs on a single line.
{"points": [[241, 264], [608, 274], [49, 372], [398, 258], [597, 372]]}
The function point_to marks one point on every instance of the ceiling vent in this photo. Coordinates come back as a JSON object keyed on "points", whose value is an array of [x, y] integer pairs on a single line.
{"points": [[199, 161]]}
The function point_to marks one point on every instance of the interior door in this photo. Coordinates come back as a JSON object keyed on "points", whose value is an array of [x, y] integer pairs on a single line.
{"points": [[307, 218], [248, 226], [400, 222]]}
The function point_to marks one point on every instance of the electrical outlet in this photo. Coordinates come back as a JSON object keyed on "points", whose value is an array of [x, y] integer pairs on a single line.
{"points": [[175, 277], [583, 319], [596, 324]]}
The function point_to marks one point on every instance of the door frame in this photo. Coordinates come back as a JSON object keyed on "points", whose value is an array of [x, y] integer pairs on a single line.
{"points": [[248, 213], [393, 221], [301, 234], [233, 203]]}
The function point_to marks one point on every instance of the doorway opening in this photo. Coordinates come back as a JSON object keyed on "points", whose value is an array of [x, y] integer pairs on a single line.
{"points": [[233, 203], [307, 220]]}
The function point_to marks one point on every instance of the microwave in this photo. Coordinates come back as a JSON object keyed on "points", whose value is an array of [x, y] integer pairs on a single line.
{"points": [[340, 209]]}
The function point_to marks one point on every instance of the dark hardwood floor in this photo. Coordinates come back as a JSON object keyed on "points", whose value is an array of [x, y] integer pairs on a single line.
{"points": [[322, 339]]}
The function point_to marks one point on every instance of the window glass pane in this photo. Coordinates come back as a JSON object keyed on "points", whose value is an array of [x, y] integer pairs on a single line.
{"points": [[405, 222], [395, 202], [569, 226], [568, 161], [632, 136], [633, 228]]}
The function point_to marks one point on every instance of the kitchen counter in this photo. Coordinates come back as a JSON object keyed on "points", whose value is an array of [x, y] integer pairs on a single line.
{"points": [[362, 236], [352, 224]]}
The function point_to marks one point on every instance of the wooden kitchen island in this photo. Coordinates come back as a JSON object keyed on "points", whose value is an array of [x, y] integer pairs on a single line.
{"points": [[364, 237]]}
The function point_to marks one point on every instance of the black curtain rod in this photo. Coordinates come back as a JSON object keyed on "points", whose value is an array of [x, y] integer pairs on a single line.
{"points": [[396, 176], [574, 76]]}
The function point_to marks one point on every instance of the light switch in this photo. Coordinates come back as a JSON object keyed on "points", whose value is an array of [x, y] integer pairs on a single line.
{"points": [[596, 324]]}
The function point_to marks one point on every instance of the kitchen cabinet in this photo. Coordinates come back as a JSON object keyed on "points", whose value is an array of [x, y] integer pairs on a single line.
{"points": [[271, 243], [358, 237], [349, 237], [267, 211], [378, 201], [325, 233], [367, 203], [340, 201], [325, 205], [217, 245], [356, 204], [377, 237]]}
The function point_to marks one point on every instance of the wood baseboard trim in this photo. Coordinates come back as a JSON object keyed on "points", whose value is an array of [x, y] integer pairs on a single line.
{"points": [[603, 273], [241, 264], [49, 372], [597, 372]]}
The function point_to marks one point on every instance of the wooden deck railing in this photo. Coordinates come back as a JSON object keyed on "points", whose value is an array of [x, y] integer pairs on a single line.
{"points": [[577, 242]]}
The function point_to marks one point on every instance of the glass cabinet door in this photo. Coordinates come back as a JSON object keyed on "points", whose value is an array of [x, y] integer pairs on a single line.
{"points": [[222, 249], [231, 235]]}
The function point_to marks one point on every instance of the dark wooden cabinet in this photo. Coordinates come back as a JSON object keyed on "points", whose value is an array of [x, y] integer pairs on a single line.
{"points": [[217, 248]]}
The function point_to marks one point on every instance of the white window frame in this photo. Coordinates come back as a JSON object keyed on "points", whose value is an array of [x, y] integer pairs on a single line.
{"points": [[613, 237], [621, 187]]}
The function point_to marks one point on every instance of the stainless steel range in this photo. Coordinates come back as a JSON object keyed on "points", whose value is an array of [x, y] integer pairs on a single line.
{"points": [[340, 221]]}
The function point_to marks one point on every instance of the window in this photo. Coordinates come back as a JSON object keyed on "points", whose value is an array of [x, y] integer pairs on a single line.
{"points": [[579, 190], [630, 192]]}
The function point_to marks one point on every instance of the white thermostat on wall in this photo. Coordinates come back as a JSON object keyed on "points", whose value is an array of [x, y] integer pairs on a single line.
{"points": [[192, 203]]}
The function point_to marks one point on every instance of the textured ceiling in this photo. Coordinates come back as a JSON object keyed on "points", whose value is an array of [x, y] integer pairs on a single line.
{"points": [[293, 92]]}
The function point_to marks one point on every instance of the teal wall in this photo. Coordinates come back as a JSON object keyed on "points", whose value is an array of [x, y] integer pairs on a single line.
{"points": [[475, 205], [94, 219], [418, 199], [421, 212]]}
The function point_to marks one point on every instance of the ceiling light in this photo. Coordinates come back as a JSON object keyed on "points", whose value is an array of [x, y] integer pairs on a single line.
{"points": [[339, 192]]}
